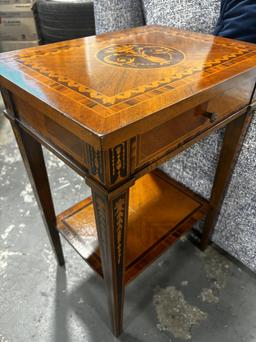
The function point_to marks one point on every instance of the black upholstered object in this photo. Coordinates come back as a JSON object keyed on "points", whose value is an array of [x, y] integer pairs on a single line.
{"points": [[62, 20]]}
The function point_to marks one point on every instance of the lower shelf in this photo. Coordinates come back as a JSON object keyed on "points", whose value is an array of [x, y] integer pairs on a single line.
{"points": [[160, 211]]}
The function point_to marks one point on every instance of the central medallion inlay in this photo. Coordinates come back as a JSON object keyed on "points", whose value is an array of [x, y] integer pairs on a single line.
{"points": [[140, 56]]}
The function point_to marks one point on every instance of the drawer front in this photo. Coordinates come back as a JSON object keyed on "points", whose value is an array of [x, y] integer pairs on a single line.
{"points": [[233, 99], [172, 132], [190, 123]]}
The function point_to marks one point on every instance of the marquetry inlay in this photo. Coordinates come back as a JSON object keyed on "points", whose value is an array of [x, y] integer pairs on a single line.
{"points": [[109, 81], [140, 56], [132, 56], [114, 107]]}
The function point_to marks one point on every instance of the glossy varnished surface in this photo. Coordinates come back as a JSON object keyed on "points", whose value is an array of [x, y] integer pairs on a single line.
{"points": [[104, 83], [159, 212], [114, 107]]}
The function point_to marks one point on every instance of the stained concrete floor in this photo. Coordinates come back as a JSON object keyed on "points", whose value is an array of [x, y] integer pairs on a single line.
{"points": [[184, 295]]}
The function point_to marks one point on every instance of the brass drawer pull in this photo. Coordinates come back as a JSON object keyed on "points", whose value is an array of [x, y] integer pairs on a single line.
{"points": [[212, 116]]}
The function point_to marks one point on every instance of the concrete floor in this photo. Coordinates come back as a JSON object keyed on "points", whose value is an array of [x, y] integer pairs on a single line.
{"points": [[184, 295]]}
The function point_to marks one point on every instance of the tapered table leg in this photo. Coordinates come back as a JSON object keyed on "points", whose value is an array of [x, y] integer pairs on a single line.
{"points": [[232, 143], [111, 213], [33, 159]]}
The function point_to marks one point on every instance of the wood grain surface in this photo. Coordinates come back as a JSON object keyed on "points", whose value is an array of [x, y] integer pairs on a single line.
{"points": [[160, 211], [74, 79], [114, 107]]}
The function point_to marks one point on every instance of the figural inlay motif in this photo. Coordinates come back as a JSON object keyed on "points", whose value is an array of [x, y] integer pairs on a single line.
{"points": [[140, 56]]}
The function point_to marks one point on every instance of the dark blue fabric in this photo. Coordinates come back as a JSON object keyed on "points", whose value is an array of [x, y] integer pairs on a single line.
{"points": [[237, 20]]}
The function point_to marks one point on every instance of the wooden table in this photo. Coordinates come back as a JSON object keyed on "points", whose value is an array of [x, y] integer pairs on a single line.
{"points": [[114, 107]]}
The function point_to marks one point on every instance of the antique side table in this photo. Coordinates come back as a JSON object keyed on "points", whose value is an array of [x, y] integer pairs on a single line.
{"points": [[114, 107]]}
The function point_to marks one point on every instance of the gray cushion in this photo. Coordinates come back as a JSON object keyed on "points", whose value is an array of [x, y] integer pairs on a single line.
{"points": [[114, 15], [193, 15], [236, 227], [195, 167]]}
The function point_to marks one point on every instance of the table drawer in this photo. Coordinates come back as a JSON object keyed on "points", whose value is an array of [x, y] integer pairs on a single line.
{"points": [[191, 122], [173, 131]]}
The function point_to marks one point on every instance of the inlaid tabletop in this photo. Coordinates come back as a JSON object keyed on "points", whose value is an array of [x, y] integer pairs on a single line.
{"points": [[109, 81]]}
